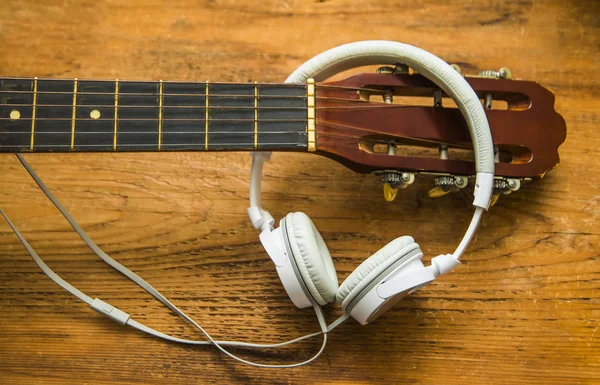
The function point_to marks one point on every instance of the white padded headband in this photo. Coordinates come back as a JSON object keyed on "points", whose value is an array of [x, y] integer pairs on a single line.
{"points": [[370, 52], [362, 53]]}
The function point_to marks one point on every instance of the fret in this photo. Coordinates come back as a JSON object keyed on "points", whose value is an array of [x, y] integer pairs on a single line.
{"points": [[310, 127], [94, 116], [74, 114], [206, 119], [160, 114], [255, 116], [138, 127], [16, 101], [190, 100], [53, 115], [33, 111], [292, 105], [231, 127], [116, 122]]}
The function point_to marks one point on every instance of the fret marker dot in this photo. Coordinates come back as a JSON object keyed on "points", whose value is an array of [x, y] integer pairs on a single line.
{"points": [[95, 114], [14, 115]]}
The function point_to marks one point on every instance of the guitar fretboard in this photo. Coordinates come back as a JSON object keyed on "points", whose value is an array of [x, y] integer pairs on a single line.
{"points": [[82, 115]]}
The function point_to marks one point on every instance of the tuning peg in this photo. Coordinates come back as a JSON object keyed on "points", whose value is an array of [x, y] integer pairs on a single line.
{"points": [[494, 199], [393, 180], [437, 98], [437, 192], [503, 73], [389, 193], [447, 184], [504, 186], [398, 69]]}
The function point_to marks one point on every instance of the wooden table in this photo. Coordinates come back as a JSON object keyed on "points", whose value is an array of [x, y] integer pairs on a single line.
{"points": [[522, 309]]}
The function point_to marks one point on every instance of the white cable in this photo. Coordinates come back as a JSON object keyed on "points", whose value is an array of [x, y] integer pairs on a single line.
{"points": [[469, 234], [231, 355], [258, 160], [148, 330], [91, 244], [146, 286], [45, 268]]}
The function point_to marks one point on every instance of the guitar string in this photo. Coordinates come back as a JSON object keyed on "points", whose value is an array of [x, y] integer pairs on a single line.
{"points": [[381, 141], [177, 82], [250, 145], [298, 132], [171, 82], [201, 146], [203, 106], [202, 93], [202, 89], [321, 133]]}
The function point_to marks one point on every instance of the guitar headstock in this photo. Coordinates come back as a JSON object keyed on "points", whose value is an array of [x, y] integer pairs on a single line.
{"points": [[400, 123]]}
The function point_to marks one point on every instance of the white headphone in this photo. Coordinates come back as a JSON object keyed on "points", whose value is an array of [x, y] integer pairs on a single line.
{"points": [[300, 255]]}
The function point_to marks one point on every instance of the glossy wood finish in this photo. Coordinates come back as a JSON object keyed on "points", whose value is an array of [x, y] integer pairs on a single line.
{"points": [[345, 118], [523, 308]]}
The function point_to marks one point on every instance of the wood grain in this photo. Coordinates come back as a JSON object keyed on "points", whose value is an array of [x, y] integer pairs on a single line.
{"points": [[522, 309]]}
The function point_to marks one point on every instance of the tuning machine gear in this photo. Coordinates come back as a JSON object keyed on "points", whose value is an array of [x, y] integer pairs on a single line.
{"points": [[504, 186], [502, 73], [448, 183], [398, 69], [394, 180]]}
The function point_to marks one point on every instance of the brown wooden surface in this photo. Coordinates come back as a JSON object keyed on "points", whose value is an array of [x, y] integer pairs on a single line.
{"points": [[523, 308]]}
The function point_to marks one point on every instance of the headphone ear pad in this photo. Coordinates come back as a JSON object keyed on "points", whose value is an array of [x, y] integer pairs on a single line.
{"points": [[312, 257], [373, 267]]}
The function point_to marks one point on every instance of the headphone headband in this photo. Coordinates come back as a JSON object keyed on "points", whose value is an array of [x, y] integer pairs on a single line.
{"points": [[369, 52]]}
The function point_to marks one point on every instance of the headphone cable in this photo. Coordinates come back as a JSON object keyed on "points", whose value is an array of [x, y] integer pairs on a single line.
{"points": [[123, 318]]}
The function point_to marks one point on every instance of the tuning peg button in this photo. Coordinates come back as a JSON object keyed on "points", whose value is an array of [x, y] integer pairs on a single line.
{"points": [[393, 180], [494, 199], [389, 193], [446, 184], [437, 192]]}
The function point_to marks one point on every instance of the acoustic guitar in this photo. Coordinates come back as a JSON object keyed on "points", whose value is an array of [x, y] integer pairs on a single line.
{"points": [[394, 123]]}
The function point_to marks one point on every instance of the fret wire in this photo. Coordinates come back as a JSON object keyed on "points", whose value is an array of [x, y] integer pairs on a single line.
{"points": [[116, 114], [255, 116], [35, 84], [160, 114], [73, 118], [206, 118]]}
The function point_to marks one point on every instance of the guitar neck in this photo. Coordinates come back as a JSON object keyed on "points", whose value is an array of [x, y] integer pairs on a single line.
{"points": [[41, 115]]}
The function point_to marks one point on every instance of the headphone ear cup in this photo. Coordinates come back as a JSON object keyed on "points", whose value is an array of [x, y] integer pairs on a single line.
{"points": [[311, 257], [374, 266]]}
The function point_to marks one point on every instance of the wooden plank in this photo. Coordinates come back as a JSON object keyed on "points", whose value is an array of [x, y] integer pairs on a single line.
{"points": [[522, 309]]}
